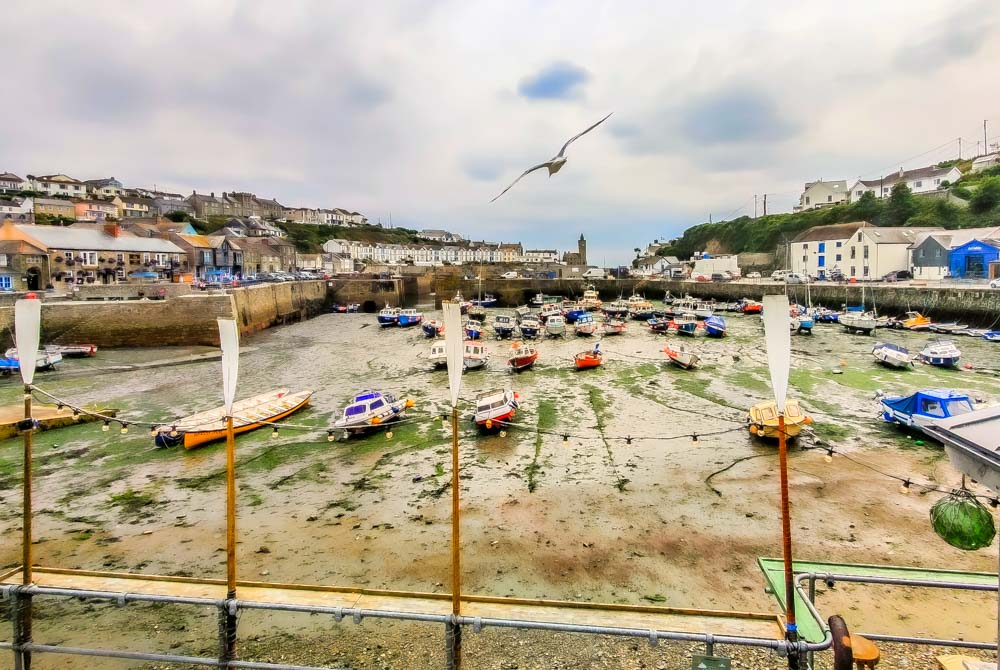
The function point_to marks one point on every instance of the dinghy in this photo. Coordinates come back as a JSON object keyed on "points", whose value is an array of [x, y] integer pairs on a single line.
{"points": [[681, 358], [522, 356], [433, 328], [715, 326], [529, 327], [763, 419], [942, 353], [495, 407], [892, 355], [369, 409]]}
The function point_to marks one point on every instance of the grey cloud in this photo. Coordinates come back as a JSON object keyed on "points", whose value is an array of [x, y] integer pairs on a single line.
{"points": [[958, 37]]}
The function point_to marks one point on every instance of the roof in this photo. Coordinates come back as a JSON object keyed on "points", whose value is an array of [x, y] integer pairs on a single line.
{"points": [[9, 176], [100, 183], [955, 238], [836, 231], [93, 239], [62, 178], [895, 235], [198, 241], [138, 200], [53, 201], [838, 184], [970, 441], [909, 175], [988, 158]]}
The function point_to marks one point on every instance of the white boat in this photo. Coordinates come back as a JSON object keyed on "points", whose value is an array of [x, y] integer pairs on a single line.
{"points": [[438, 356], [498, 405], [858, 322], [549, 311], [529, 327], [793, 323], [942, 353], [703, 310], [476, 355], [44, 360], [585, 325], [680, 357], [555, 326], [371, 408], [892, 355], [591, 299]]}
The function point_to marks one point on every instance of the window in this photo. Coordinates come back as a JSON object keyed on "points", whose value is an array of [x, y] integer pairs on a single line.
{"points": [[918, 184], [807, 199], [163, 259], [145, 257], [853, 271], [854, 251], [821, 260], [822, 247], [805, 245], [6, 282], [937, 181], [840, 244], [866, 270], [866, 251], [62, 186], [829, 198], [859, 193], [120, 257], [838, 258], [885, 190], [859, 237], [206, 257], [920, 253], [34, 260], [89, 257], [805, 259], [3, 260]]}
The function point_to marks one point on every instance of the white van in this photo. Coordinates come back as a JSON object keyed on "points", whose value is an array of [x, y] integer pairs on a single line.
{"points": [[594, 273]]}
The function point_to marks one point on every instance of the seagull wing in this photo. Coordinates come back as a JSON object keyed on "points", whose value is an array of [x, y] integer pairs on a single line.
{"points": [[570, 141], [528, 171]]}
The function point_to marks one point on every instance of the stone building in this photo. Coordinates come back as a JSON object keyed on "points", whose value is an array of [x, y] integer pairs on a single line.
{"points": [[24, 263], [236, 204], [578, 257], [55, 207]]}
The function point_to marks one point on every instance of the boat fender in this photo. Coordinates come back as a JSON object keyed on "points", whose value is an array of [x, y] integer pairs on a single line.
{"points": [[843, 653], [887, 416]]}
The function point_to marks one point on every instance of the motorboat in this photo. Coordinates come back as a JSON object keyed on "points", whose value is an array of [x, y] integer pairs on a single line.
{"points": [[752, 307], [574, 312], [715, 326], [613, 326], [924, 407], [586, 326], [660, 325], [681, 358], [916, 321], [763, 419], [555, 326], [433, 328], [805, 319], [825, 315], [496, 407], [521, 313], [488, 300], [947, 328], [591, 298], [370, 409], [388, 316], [892, 355], [639, 308], [69, 350], [616, 310], [992, 336], [409, 317], [540, 300], [686, 324], [793, 323], [522, 356], [476, 313], [463, 304], [44, 360], [549, 311], [473, 330], [249, 414], [703, 310], [438, 355], [475, 355], [858, 322], [942, 353], [529, 327], [503, 326], [588, 359]]}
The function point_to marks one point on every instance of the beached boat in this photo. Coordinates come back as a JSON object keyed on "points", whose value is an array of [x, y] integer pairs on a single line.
{"points": [[639, 308], [540, 300], [522, 356], [409, 317], [476, 313], [703, 310], [681, 358], [433, 328], [494, 408], [924, 407], [824, 315], [555, 326], [586, 326], [613, 326], [914, 321], [616, 310], [488, 300], [473, 330], [660, 325], [763, 419], [521, 313], [591, 299], [892, 355], [715, 326], [463, 304], [369, 409], [573, 312], [752, 307], [248, 414], [475, 355], [858, 322], [44, 360], [438, 355], [529, 327], [549, 310], [992, 336], [587, 359], [503, 326], [947, 328], [69, 350], [388, 316], [942, 353], [686, 324]]}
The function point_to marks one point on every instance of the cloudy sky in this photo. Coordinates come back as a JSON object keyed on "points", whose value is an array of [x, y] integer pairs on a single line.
{"points": [[426, 110]]}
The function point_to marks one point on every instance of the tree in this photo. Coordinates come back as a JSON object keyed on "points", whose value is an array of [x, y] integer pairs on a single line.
{"points": [[637, 251], [867, 208], [177, 216], [986, 197], [900, 206]]}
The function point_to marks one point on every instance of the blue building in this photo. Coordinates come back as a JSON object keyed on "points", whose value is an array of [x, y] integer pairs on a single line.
{"points": [[972, 259]]}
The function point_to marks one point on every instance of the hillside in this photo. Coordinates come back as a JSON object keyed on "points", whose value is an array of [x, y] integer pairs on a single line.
{"points": [[309, 239], [981, 192]]}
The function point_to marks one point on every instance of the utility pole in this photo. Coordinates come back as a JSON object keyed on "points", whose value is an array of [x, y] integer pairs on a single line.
{"points": [[755, 205], [710, 217], [985, 145], [959, 148], [765, 204]]}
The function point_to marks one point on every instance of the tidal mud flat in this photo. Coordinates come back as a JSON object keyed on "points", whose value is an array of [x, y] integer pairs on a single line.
{"points": [[593, 517]]}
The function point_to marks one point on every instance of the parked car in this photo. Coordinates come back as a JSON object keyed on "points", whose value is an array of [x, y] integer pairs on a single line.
{"points": [[898, 275], [796, 278], [720, 276], [778, 275], [995, 283], [835, 275], [753, 275], [509, 275]]}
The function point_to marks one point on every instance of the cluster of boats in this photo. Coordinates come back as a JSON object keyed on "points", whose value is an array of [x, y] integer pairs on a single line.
{"points": [[47, 358], [941, 353]]}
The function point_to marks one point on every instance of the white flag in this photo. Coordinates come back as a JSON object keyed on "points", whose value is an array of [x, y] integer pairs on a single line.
{"points": [[454, 347], [27, 331], [229, 341], [778, 339]]}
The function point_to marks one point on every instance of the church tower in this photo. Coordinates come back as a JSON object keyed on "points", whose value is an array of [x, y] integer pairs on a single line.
{"points": [[582, 249]]}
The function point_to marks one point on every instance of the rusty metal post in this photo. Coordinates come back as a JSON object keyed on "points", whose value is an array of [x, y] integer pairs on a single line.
{"points": [[24, 599], [453, 633], [791, 630]]}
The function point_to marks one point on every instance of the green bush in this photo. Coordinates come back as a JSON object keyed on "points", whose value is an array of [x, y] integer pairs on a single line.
{"points": [[986, 197]]}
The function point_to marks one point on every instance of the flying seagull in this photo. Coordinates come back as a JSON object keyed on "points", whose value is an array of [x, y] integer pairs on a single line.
{"points": [[553, 164]]}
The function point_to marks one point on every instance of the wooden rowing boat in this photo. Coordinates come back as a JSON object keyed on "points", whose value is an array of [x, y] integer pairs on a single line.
{"points": [[249, 414]]}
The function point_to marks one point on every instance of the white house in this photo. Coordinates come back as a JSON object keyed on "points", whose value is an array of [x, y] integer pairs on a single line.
{"points": [[921, 180], [58, 184], [823, 194], [716, 265], [818, 250], [541, 256], [978, 164], [858, 249], [11, 182], [17, 209]]}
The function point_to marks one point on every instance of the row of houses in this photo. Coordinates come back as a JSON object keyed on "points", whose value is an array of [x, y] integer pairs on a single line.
{"points": [[923, 180], [861, 251], [457, 252]]}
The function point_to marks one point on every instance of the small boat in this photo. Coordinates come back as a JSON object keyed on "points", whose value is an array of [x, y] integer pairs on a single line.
{"points": [[353, 307], [586, 326], [495, 407], [613, 326], [763, 419], [574, 312], [388, 316], [503, 326], [915, 321], [369, 409], [473, 330], [438, 355], [521, 313], [686, 324], [942, 353], [529, 327], [616, 310], [858, 322], [463, 304], [409, 317], [476, 355], [476, 313], [591, 299], [703, 310], [660, 325], [522, 356], [555, 326], [488, 300], [681, 358], [588, 359], [639, 308], [992, 336], [549, 310], [752, 307], [715, 326], [892, 355], [824, 315], [338, 309], [203, 427], [974, 332], [433, 328], [947, 328], [924, 407], [793, 323], [70, 350], [44, 360], [540, 300]]}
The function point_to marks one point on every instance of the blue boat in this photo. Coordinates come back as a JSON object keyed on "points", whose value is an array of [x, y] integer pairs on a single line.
{"points": [[942, 353], [686, 324], [433, 328], [489, 300], [715, 326], [924, 407], [574, 312], [805, 324], [659, 325], [503, 326], [389, 316], [992, 336], [409, 317], [529, 327], [473, 330]]}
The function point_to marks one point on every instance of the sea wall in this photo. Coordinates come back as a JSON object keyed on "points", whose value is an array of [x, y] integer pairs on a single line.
{"points": [[265, 305], [374, 294]]}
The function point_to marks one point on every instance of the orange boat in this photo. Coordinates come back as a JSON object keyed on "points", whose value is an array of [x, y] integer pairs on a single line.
{"points": [[752, 307], [587, 359]]}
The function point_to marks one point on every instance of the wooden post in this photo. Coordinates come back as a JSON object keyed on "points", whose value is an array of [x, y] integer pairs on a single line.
{"points": [[791, 630]]}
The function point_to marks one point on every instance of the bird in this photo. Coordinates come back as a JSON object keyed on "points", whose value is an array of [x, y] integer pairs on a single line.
{"points": [[553, 164]]}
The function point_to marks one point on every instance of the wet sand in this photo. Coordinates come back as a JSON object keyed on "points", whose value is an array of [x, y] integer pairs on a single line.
{"points": [[595, 519]]}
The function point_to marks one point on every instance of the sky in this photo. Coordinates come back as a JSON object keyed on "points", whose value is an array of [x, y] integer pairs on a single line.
{"points": [[423, 111]]}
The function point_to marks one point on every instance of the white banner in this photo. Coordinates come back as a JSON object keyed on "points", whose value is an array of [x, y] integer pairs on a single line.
{"points": [[454, 347], [27, 331], [229, 341], [778, 339]]}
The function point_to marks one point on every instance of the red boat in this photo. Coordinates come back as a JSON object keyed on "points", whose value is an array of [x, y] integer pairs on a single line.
{"points": [[752, 307], [522, 356], [588, 359]]}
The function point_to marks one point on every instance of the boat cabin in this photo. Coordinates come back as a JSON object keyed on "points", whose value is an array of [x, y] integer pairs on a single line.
{"points": [[933, 403]]}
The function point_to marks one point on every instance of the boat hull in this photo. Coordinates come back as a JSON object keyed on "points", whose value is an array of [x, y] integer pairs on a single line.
{"points": [[940, 361], [518, 363], [192, 439], [587, 360]]}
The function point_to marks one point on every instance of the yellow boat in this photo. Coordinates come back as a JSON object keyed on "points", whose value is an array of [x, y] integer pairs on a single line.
{"points": [[198, 429], [763, 419], [916, 321]]}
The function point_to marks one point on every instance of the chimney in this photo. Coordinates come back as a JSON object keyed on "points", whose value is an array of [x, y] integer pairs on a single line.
{"points": [[213, 194], [900, 171], [112, 229]]}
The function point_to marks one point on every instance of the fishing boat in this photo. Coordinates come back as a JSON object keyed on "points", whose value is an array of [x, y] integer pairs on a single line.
{"points": [[858, 322], [805, 324], [924, 407], [463, 304], [591, 299], [586, 326], [686, 324], [44, 360], [494, 408], [681, 358], [529, 327], [548, 311], [660, 325], [763, 419], [947, 328], [540, 300], [752, 307], [475, 355], [388, 316], [992, 336], [438, 355], [70, 350], [942, 353], [369, 409], [521, 313], [353, 307], [639, 308], [825, 315], [588, 359], [488, 300], [715, 326], [249, 414], [616, 310], [555, 326], [703, 310], [892, 355], [574, 312], [473, 330], [433, 328], [503, 326], [612, 326], [409, 317], [522, 356], [476, 313]]}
